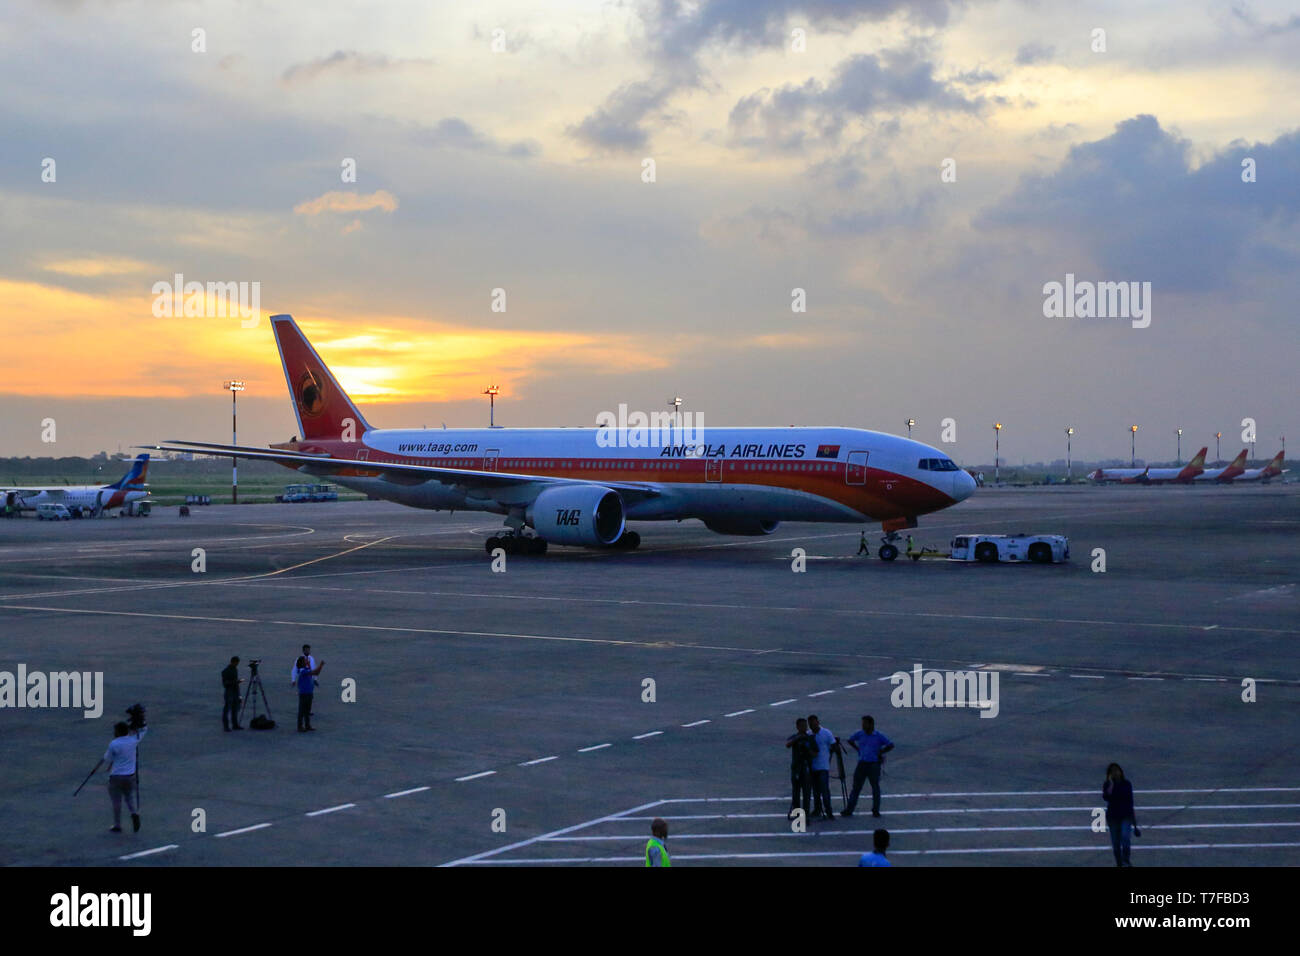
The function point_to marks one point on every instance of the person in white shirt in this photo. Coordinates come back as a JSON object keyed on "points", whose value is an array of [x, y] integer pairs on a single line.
{"points": [[120, 757], [821, 768], [311, 666]]}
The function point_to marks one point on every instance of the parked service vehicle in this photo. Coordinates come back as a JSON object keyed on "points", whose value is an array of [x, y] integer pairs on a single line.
{"points": [[52, 512], [136, 509], [293, 493], [324, 493], [198, 500], [991, 548]]}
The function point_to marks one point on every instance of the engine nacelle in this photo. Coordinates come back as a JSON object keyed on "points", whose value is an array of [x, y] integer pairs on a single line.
{"points": [[588, 515], [745, 526]]}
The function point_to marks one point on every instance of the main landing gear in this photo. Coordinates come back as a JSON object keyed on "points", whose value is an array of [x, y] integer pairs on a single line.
{"points": [[513, 543], [629, 541], [888, 550]]}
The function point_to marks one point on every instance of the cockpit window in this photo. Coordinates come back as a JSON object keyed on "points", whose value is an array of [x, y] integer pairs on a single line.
{"points": [[937, 464]]}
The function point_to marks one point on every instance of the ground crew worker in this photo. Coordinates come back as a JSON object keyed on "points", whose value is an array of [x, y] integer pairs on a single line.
{"points": [[909, 544], [120, 758], [656, 854], [862, 544], [802, 750]]}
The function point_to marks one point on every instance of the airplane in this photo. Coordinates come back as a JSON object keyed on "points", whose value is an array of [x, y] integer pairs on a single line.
{"points": [[580, 486], [1269, 471], [1153, 476], [95, 498], [1226, 473]]}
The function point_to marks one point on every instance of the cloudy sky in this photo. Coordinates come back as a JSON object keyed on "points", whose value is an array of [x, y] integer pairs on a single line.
{"points": [[795, 145]]}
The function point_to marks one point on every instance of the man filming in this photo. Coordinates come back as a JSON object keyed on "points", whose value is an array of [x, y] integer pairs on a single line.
{"points": [[120, 757], [230, 681]]}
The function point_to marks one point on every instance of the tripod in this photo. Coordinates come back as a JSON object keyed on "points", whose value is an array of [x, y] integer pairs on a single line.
{"points": [[254, 690]]}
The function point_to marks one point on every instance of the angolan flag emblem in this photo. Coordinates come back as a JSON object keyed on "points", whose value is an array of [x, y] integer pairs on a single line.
{"points": [[828, 451]]}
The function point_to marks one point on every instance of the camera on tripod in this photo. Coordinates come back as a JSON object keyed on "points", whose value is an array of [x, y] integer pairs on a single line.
{"points": [[252, 664], [136, 714]]}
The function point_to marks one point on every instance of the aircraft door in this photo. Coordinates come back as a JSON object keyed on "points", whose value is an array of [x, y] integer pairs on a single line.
{"points": [[490, 459], [855, 471], [713, 469]]}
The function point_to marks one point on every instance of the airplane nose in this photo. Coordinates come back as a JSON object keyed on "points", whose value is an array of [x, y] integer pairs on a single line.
{"points": [[963, 485]]}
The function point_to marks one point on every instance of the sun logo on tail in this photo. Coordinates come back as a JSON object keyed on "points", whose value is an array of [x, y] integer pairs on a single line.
{"points": [[311, 395]]}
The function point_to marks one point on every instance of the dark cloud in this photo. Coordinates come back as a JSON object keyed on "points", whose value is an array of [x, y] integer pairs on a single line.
{"points": [[454, 133], [862, 87], [618, 124], [679, 31], [345, 61], [1143, 213], [1034, 52]]}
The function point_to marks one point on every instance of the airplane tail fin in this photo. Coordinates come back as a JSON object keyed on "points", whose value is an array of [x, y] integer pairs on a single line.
{"points": [[1240, 460], [1274, 467], [134, 479], [1195, 466], [322, 408]]}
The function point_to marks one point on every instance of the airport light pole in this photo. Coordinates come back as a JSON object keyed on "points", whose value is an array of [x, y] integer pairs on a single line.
{"points": [[234, 386], [997, 448], [492, 391], [676, 406], [910, 423], [1180, 447], [1132, 446], [1217, 436], [1069, 434]]}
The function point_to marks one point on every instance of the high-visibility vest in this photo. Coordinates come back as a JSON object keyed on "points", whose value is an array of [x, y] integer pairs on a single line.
{"points": [[663, 851]]}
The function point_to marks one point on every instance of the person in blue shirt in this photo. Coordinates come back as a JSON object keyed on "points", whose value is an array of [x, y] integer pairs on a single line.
{"points": [[880, 840], [871, 746], [826, 743], [306, 680], [1121, 817]]}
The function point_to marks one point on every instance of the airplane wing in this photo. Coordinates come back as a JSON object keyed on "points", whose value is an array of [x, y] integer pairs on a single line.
{"points": [[496, 481]]}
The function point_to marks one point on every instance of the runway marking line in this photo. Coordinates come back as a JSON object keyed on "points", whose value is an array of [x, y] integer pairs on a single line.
{"points": [[157, 849], [586, 750], [404, 793], [653, 733], [320, 813], [697, 723], [229, 833], [533, 763], [737, 713], [475, 776]]}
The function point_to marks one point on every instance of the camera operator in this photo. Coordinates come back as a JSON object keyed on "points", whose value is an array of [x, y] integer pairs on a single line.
{"points": [[230, 681], [120, 757]]}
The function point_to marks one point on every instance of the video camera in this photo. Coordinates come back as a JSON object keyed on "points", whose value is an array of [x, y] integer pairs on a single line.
{"points": [[136, 714], [252, 664]]}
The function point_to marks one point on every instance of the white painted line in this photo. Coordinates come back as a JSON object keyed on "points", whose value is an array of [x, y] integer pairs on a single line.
{"points": [[860, 683], [1029, 674], [1145, 678], [584, 750], [403, 793], [779, 703], [1212, 680], [653, 733], [157, 849], [475, 776], [341, 806], [823, 833], [821, 693], [852, 853], [482, 857], [531, 763], [697, 723], [998, 793], [737, 713], [255, 826], [1088, 676]]}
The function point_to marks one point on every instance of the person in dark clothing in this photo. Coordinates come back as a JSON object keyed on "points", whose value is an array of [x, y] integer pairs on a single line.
{"points": [[802, 750], [306, 690], [1121, 817], [230, 681], [862, 544]]}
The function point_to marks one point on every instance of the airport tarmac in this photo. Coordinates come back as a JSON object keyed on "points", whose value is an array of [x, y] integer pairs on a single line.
{"points": [[517, 697]]}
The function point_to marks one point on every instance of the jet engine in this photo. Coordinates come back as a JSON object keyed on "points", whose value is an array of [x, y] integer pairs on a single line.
{"points": [[587, 515]]}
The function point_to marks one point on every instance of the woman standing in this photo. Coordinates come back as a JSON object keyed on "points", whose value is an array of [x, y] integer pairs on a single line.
{"points": [[1121, 818]]}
